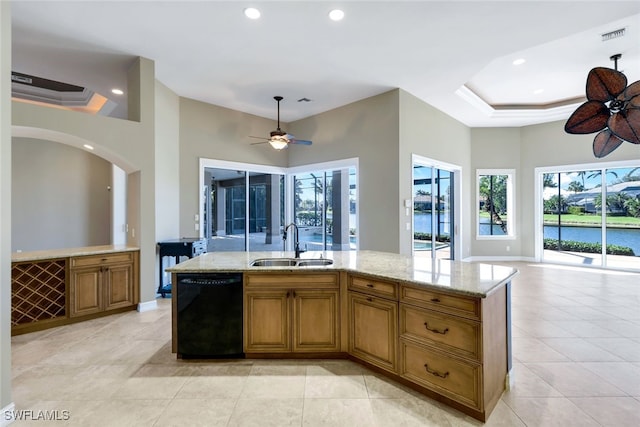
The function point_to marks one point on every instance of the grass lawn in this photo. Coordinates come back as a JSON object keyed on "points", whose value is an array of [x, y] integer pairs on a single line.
{"points": [[595, 220]]}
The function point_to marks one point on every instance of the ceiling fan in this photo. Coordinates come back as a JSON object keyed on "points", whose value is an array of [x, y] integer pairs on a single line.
{"points": [[280, 139], [612, 109]]}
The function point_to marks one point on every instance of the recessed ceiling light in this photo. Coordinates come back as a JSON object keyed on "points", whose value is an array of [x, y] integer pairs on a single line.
{"points": [[88, 147], [117, 91], [252, 13], [336, 15], [538, 91], [519, 61]]}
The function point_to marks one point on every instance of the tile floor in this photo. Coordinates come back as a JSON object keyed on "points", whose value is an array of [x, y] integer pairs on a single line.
{"points": [[576, 348]]}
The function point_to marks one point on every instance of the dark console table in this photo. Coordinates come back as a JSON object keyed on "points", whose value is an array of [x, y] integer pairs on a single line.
{"points": [[186, 246]]}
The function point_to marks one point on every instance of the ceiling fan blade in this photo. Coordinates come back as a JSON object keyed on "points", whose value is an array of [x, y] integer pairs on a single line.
{"points": [[299, 141], [258, 143], [259, 137]]}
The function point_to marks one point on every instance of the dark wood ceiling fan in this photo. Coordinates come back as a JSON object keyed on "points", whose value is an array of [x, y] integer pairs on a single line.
{"points": [[612, 109], [278, 138]]}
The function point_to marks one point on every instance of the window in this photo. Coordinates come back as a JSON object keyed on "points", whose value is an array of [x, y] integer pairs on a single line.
{"points": [[495, 203]]}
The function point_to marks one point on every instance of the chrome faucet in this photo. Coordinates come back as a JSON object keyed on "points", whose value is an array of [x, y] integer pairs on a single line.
{"points": [[296, 241]]}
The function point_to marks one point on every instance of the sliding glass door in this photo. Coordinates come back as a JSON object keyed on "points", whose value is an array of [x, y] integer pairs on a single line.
{"points": [[433, 211], [243, 210], [591, 216], [324, 209], [247, 210]]}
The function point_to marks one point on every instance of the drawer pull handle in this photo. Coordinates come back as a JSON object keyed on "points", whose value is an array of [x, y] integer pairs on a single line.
{"points": [[436, 373], [434, 330], [435, 300], [369, 299], [104, 259], [370, 285]]}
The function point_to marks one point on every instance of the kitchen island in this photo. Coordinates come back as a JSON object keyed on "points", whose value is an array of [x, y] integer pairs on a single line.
{"points": [[441, 327]]}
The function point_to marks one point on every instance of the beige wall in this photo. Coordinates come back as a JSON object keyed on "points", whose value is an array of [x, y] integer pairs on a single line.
{"points": [[525, 149], [167, 151], [47, 192], [367, 129], [212, 132], [428, 132], [128, 144], [493, 148], [5, 208], [549, 145]]}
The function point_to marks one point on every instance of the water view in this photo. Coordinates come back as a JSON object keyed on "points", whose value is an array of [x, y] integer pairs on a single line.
{"points": [[629, 237]]}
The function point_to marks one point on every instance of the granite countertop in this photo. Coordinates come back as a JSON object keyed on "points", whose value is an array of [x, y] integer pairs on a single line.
{"points": [[474, 279], [69, 252]]}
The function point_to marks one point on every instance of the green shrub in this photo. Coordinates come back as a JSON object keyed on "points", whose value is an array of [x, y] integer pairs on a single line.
{"points": [[590, 248], [427, 236], [575, 210]]}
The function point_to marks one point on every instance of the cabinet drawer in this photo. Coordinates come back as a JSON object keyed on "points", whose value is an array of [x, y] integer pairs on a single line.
{"points": [[450, 333], [298, 281], [374, 287], [451, 377], [93, 260], [454, 304]]}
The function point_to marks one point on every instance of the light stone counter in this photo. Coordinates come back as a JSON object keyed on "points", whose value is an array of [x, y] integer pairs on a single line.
{"points": [[69, 252], [474, 279]]}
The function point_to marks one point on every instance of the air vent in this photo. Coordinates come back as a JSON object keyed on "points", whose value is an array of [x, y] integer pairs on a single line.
{"points": [[21, 79], [613, 34]]}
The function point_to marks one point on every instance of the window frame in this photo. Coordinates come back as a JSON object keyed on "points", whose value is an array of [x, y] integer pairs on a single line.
{"points": [[511, 204]]}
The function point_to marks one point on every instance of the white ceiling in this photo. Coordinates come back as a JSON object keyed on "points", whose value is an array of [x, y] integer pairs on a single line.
{"points": [[454, 55]]}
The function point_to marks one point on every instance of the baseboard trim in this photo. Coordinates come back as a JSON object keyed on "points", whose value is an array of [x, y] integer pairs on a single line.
{"points": [[8, 414], [147, 306], [499, 259]]}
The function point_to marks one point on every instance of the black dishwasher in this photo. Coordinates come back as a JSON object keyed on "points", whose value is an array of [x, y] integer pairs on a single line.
{"points": [[209, 315]]}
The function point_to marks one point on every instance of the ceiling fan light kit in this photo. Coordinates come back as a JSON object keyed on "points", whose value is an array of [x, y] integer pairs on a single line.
{"points": [[278, 138], [612, 109]]}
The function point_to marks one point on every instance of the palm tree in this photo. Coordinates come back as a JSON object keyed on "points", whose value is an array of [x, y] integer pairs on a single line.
{"points": [[632, 205], [575, 186], [547, 180]]}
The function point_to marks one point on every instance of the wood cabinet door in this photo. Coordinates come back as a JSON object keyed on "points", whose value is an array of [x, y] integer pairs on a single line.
{"points": [[85, 291], [373, 330], [118, 286], [316, 322], [267, 321]]}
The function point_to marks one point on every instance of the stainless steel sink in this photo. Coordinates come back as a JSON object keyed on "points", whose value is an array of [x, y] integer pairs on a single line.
{"points": [[274, 262], [314, 262], [290, 262]]}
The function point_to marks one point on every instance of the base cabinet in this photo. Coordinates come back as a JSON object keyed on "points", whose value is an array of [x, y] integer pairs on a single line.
{"points": [[292, 313], [71, 287], [455, 346], [452, 347], [86, 291], [373, 331], [373, 321], [102, 283], [267, 321]]}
